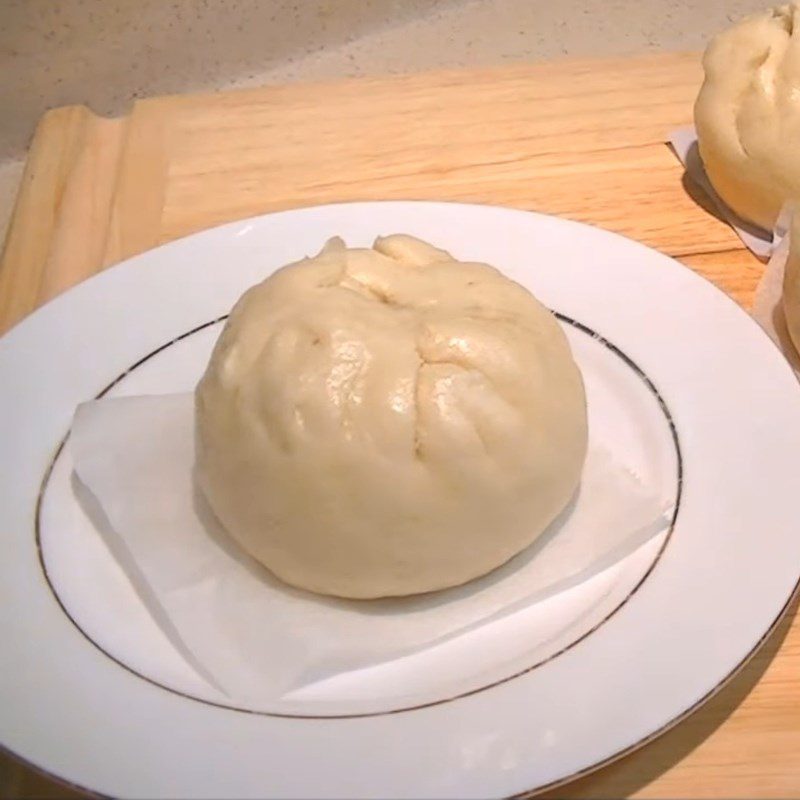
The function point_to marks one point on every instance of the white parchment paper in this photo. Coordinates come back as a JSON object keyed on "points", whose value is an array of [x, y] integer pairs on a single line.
{"points": [[256, 638]]}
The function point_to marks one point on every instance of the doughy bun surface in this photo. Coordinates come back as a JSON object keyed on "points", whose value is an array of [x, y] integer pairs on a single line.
{"points": [[747, 114], [388, 421]]}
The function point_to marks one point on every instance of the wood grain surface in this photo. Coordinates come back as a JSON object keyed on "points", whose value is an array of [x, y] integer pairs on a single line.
{"points": [[581, 139]]}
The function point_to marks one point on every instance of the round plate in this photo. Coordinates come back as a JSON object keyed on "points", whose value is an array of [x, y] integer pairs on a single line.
{"points": [[728, 570]]}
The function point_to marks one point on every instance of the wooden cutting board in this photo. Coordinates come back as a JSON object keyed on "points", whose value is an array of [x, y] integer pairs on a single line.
{"points": [[582, 139]]}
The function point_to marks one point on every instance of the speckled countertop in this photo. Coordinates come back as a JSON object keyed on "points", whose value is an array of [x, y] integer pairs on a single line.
{"points": [[105, 53]]}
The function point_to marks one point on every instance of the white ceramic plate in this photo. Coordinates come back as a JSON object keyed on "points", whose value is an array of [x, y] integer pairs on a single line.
{"points": [[693, 394]]}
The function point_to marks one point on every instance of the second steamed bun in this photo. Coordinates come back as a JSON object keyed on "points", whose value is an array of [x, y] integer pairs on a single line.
{"points": [[747, 114]]}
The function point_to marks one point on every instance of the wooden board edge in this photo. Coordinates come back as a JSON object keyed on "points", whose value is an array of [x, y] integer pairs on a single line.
{"points": [[138, 202], [59, 224], [683, 59]]}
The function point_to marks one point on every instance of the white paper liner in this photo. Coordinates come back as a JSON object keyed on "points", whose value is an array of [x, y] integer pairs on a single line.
{"points": [[256, 638]]}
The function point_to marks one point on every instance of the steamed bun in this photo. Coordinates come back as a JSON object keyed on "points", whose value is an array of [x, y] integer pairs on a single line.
{"points": [[747, 114], [791, 284], [388, 421]]}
